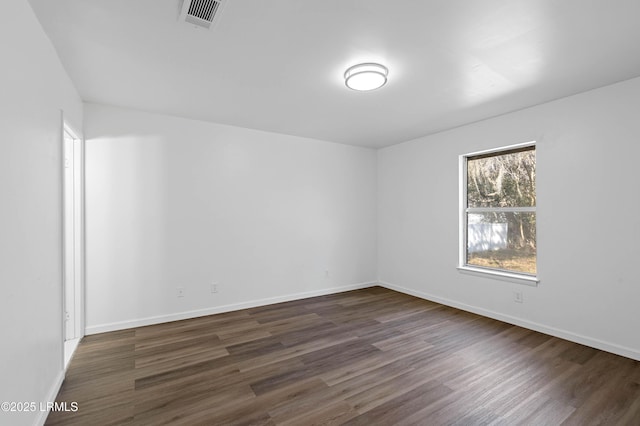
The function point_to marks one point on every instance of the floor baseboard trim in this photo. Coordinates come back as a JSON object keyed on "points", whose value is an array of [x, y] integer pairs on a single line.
{"points": [[563, 334], [51, 397], [123, 325]]}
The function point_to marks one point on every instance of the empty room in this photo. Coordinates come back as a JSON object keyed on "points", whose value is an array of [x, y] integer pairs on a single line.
{"points": [[240, 212]]}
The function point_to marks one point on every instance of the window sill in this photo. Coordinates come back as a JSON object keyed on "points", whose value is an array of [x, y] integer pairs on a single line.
{"points": [[500, 275]]}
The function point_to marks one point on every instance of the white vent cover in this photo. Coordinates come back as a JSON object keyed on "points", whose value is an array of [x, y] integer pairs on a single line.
{"points": [[202, 13]]}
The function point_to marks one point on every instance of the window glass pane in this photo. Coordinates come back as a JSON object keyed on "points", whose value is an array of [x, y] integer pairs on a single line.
{"points": [[503, 240], [504, 180]]}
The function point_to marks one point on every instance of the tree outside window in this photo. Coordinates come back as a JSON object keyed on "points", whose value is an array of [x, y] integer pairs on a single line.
{"points": [[500, 210]]}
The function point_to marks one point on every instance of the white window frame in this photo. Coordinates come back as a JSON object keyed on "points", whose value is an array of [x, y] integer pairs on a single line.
{"points": [[511, 276]]}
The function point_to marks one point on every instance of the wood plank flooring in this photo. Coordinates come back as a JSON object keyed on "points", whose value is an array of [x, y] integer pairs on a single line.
{"points": [[364, 357]]}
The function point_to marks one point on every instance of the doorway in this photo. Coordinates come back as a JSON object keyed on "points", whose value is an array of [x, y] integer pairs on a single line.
{"points": [[73, 242]]}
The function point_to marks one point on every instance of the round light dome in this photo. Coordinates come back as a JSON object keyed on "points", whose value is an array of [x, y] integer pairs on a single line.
{"points": [[363, 77]]}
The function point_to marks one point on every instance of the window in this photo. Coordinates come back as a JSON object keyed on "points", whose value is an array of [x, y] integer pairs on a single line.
{"points": [[498, 211]]}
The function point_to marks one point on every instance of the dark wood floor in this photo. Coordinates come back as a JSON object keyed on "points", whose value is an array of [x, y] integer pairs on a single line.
{"points": [[365, 357]]}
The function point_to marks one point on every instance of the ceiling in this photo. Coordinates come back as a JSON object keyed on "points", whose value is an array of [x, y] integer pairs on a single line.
{"points": [[278, 65]]}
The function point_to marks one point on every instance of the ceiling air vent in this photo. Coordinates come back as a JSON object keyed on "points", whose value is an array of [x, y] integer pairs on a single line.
{"points": [[202, 13]]}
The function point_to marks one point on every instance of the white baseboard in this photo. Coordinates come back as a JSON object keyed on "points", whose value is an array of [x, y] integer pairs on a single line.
{"points": [[51, 397], [122, 325], [563, 334]]}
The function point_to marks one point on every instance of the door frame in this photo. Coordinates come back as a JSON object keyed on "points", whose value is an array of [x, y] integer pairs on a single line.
{"points": [[78, 240]]}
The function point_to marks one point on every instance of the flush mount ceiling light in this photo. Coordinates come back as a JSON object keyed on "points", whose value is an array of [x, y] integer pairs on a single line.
{"points": [[365, 77]]}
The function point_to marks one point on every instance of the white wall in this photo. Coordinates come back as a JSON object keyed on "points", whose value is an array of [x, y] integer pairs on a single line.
{"points": [[181, 203], [588, 209], [34, 89]]}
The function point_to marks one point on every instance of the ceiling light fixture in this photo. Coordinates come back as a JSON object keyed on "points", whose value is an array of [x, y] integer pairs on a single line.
{"points": [[368, 76]]}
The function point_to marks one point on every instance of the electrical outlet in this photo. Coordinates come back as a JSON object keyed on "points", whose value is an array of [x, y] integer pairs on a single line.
{"points": [[180, 291], [517, 296], [214, 287]]}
